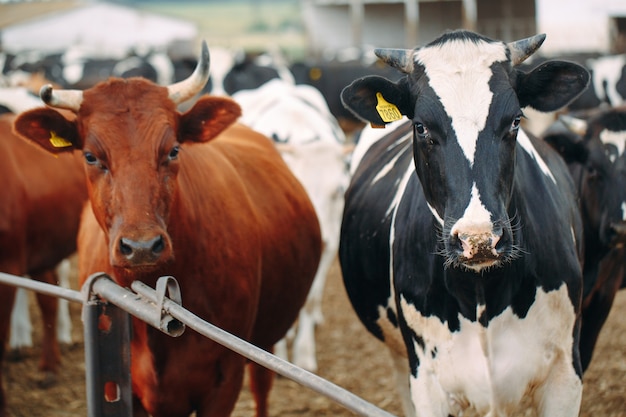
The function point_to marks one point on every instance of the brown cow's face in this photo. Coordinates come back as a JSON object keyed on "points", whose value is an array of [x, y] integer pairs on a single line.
{"points": [[132, 140], [131, 153]]}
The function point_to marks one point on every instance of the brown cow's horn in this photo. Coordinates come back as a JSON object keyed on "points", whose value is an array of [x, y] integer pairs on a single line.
{"points": [[400, 59], [522, 49], [64, 99], [185, 89]]}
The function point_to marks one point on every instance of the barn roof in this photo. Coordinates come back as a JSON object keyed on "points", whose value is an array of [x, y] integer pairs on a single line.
{"points": [[105, 27]]}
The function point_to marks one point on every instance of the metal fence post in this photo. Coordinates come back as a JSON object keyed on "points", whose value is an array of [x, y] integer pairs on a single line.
{"points": [[107, 357]]}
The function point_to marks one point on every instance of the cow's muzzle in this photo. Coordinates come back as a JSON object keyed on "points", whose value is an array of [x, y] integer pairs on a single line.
{"points": [[144, 252], [477, 251]]}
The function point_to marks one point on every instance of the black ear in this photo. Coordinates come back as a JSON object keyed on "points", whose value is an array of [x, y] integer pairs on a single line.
{"points": [[551, 85], [363, 96]]}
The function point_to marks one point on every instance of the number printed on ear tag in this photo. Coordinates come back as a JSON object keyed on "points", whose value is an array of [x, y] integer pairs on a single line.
{"points": [[387, 111]]}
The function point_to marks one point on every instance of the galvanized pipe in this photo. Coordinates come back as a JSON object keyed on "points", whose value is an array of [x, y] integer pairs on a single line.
{"points": [[266, 359], [168, 316], [41, 287]]}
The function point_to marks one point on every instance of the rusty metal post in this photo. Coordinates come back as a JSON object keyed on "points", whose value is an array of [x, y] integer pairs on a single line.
{"points": [[107, 358]]}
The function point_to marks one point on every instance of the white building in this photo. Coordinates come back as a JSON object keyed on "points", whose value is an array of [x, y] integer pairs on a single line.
{"points": [[571, 25], [105, 29]]}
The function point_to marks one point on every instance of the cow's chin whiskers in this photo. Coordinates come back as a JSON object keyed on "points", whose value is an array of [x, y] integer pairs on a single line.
{"points": [[453, 261]]}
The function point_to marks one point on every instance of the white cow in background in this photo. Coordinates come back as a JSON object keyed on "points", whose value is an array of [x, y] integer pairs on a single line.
{"points": [[21, 324], [297, 118]]}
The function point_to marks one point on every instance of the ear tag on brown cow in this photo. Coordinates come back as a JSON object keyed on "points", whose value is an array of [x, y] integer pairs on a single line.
{"points": [[387, 111], [58, 142]]}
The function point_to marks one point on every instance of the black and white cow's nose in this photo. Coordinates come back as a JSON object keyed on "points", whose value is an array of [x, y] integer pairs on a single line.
{"points": [[477, 248]]}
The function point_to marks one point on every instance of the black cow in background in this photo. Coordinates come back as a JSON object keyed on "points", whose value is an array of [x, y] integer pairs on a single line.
{"points": [[607, 86], [593, 145], [78, 68], [331, 77], [608, 83]]}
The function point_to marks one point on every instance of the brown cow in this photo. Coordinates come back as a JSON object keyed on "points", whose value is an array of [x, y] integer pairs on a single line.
{"points": [[197, 197], [42, 198]]}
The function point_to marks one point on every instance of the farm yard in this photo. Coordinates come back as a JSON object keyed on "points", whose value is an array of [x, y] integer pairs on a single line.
{"points": [[348, 356]]}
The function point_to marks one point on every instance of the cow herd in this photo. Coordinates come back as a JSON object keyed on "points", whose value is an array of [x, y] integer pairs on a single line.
{"points": [[485, 258]]}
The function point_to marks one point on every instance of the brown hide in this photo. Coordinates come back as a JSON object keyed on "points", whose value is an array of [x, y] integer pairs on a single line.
{"points": [[42, 197], [212, 205]]}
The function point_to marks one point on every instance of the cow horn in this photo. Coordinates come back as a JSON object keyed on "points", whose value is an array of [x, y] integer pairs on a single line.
{"points": [[523, 48], [64, 99], [400, 59], [189, 87], [574, 124]]}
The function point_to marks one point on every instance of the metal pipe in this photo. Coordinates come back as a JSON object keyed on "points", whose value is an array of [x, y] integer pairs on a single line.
{"points": [[41, 287], [266, 359], [169, 318]]}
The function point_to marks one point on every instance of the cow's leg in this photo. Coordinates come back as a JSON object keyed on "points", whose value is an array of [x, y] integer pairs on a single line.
{"points": [[561, 394], [261, 380], [21, 326], [597, 307], [7, 297], [281, 349], [64, 321], [400, 365], [50, 353], [225, 392], [304, 350], [138, 408]]}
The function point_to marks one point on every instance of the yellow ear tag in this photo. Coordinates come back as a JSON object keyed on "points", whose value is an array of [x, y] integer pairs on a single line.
{"points": [[387, 111], [58, 142], [315, 73]]}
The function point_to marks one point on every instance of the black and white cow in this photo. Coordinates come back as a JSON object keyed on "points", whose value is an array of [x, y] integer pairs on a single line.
{"points": [[461, 240], [608, 83], [594, 145]]}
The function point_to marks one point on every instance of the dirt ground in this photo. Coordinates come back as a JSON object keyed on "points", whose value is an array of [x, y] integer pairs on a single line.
{"points": [[348, 356]]}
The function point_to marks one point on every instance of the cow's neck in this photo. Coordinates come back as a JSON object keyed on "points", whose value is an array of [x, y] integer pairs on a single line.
{"points": [[481, 297]]}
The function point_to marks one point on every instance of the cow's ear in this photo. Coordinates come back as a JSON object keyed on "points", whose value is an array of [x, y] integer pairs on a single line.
{"points": [[569, 145], [208, 118], [551, 85], [49, 129], [377, 100]]}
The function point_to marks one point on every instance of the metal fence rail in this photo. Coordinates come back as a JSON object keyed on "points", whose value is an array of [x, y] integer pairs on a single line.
{"points": [[107, 347]]}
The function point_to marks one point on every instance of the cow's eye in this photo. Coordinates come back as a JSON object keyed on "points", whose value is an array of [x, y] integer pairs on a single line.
{"points": [[90, 158], [420, 130], [174, 153], [516, 123]]}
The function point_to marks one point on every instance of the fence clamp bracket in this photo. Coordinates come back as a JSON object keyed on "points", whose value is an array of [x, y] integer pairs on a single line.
{"points": [[167, 289]]}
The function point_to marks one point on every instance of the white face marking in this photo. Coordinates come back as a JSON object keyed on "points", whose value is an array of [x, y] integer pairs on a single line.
{"points": [[526, 144], [476, 219], [493, 368], [459, 73], [617, 139]]}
